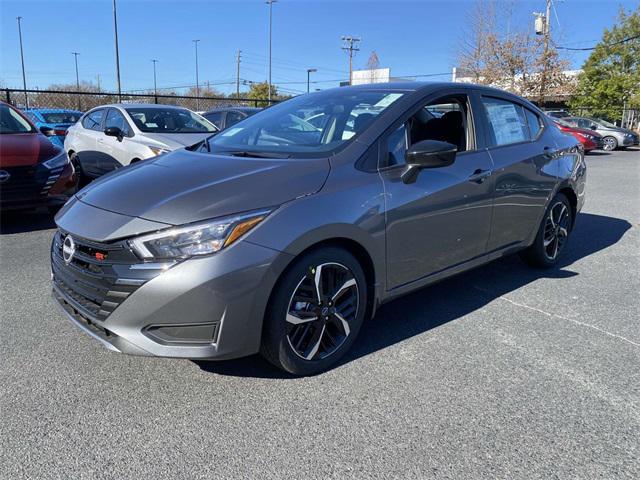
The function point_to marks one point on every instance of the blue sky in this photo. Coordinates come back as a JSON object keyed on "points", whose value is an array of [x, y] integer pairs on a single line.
{"points": [[412, 38]]}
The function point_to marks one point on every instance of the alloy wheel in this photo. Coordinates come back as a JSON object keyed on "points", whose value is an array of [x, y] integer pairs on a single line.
{"points": [[320, 311], [556, 230], [609, 143]]}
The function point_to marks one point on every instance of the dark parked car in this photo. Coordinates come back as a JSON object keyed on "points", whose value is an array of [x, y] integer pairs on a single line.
{"points": [[33, 171], [225, 117], [281, 237]]}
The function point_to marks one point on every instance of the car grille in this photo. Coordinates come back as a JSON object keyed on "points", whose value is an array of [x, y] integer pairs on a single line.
{"points": [[98, 278], [28, 183]]}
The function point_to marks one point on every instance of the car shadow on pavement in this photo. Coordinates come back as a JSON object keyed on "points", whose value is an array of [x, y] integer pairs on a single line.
{"points": [[598, 154], [450, 299], [22, 222]]}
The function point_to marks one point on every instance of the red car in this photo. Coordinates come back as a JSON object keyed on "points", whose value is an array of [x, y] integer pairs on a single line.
{"points": [[33, 171], [589, 139]]}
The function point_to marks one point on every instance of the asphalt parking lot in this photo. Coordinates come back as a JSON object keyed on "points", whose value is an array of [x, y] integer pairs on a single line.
{"points": [[503, 372]]}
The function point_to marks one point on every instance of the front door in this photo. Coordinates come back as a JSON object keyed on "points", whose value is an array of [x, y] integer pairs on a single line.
{"points": [[443, 219]]}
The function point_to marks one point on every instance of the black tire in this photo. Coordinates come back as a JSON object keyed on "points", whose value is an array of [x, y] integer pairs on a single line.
{"points": [[610, 143], [336, 323], [82, 180], [553, 234]]}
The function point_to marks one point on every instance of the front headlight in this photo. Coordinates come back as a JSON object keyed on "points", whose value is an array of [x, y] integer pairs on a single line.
{"points": [[197, 239], [158, 150], [58, 161]]}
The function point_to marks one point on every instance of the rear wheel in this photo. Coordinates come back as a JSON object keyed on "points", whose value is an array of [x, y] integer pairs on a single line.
{"points": [[552, 235], [315, 312], [609, 143]]}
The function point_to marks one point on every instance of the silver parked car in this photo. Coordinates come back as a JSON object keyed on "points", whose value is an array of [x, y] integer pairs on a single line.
{"points": [[613, 137], [112, 136], [281, 237]]}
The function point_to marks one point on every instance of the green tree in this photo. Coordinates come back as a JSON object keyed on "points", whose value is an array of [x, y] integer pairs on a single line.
{"points": [[260, 91], [611, 74]]}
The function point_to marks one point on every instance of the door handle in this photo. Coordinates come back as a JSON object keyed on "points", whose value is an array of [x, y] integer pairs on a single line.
{"points": [[479, 175]]}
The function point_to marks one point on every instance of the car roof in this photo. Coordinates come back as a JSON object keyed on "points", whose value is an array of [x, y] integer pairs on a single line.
{"points": [[142, 105], [51, 110], [238, 109]]}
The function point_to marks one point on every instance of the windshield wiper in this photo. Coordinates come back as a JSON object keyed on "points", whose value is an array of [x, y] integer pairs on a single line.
{"points": [[252, 154]]}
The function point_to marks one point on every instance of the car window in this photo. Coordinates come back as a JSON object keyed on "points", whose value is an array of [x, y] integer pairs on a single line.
{"points": [[31, 117], [93, 120], [507, 121], [61, 117], [584, 123], [12, 122], [534, 122], [215, 118], [397, 146], [169, 120], [116, 119], [233, 118]]}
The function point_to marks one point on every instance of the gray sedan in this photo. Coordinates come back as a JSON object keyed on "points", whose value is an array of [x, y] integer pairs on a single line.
{"points": [[282, 237], [613, 137]]}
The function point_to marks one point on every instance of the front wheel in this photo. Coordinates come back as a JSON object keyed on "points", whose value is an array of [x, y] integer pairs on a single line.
{"points": [[315, 312], [552, 235], [609, 143], [82, 180]]}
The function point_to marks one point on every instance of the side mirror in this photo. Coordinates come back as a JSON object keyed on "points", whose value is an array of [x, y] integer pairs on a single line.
{"points": [[427, 154], [594, 126], [114, 132], [49, 132]]}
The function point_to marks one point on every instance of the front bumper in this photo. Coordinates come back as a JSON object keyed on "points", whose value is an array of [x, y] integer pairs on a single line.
{"points": [[202, 308], [35, 186]]}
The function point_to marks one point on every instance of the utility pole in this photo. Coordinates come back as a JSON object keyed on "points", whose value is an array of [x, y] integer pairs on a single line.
{"points": [[24, 77], [155, 84], [350, 45], [197, 81], [98, 80], [543, 27], [309, 71], [238, 73], [115, 30], [270, 3], [75, 55]]}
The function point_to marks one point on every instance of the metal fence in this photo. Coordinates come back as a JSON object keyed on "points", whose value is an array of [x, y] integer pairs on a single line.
{"points": [[84, 101]]}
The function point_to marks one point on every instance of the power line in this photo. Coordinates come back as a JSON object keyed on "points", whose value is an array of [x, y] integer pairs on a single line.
{"points": [[619, 42]]}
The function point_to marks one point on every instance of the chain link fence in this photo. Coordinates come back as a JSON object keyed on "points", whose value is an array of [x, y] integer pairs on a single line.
{"points": [[84, 101]]}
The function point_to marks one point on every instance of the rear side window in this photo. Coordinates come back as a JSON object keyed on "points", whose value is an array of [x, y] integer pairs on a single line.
{"points": [[116, 119], [215, 118], [535, 125], [507, 122], [93, 120]]}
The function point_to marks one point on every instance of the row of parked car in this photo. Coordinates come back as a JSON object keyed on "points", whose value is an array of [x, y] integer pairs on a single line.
{"points": [[46, 154]]}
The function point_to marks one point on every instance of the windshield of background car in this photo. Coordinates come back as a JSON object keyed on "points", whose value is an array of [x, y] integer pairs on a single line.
{"points": [[603, 122], [12, 122], [317, 123], [62, 117], [169, 120]]}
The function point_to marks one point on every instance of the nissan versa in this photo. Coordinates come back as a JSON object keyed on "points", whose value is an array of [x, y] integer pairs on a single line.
{"points": [[280, 236]]}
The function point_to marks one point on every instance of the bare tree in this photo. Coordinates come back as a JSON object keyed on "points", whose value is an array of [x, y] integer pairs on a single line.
{"points": [[372, 65]]}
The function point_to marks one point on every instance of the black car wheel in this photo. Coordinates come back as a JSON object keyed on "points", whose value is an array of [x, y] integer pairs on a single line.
{"points": [[315, 312], [609, 143], [81, 178], [552, 235]]}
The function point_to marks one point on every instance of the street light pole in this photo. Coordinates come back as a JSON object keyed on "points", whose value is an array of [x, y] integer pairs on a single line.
{"points": [[155, 85], [115, 29], [24, 77], [309, 71], [270, 3], [75, 55], [197, 80]]}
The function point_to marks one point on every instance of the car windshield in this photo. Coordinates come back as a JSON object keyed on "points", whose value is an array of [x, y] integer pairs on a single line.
{"points": [[309, 124], [603, 122], [61, 117], [169, 120], [12, 122]]}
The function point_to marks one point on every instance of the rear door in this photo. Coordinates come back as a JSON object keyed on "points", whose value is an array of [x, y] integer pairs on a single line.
{"points": [[86, 143], [525, 172], [443, 219]]}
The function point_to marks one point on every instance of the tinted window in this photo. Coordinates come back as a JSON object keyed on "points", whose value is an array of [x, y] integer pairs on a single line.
{"points": [[169, 120], [507, 121], [12, 122], [93, 120], [534, 123], [284, 128], [215, 118], [397, 147], [62, 117], [233, 118], [116, 119]]}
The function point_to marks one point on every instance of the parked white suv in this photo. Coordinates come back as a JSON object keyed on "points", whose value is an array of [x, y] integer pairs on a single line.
{"points": [[112, 136]]}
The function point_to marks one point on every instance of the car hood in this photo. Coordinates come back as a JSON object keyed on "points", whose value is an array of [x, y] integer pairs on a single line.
{"points": [[173, 141], [24, 149], [184, 187]]}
